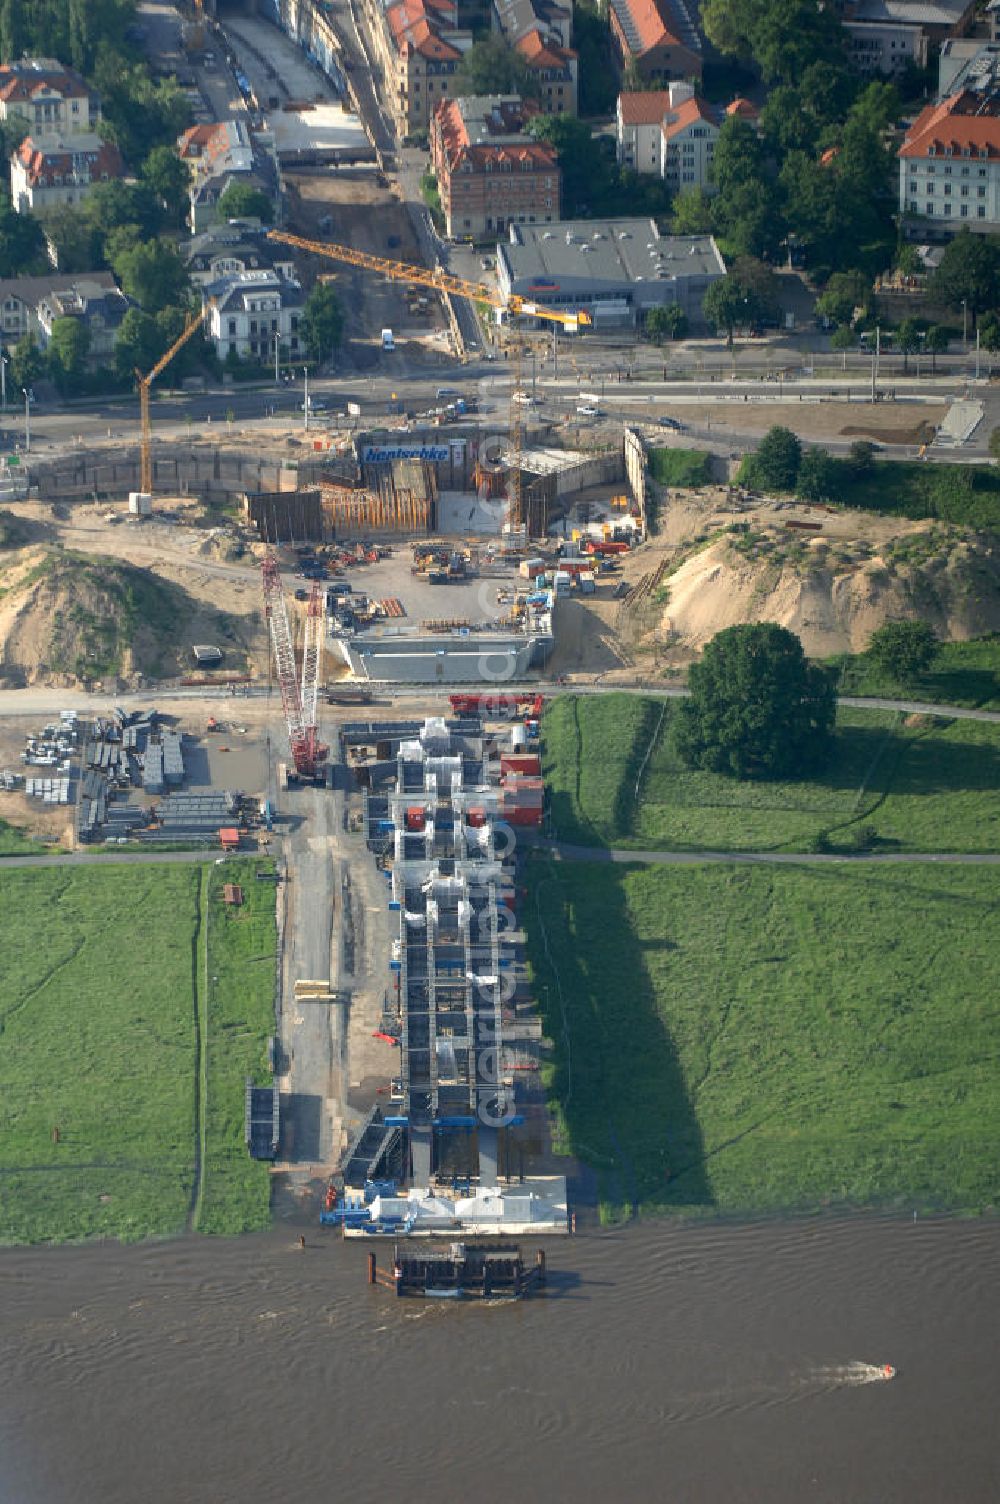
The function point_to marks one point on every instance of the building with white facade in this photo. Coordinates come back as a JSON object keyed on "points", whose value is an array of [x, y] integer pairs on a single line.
{"points": [[29, 305], [687, 142], [248, 311], [638, 129], [46, 173], [949, 163]]}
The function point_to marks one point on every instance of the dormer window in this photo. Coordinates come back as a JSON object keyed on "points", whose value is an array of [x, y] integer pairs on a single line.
{"points": [[932, 151]]}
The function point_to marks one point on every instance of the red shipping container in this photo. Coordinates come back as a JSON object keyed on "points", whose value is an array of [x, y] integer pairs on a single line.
{"points": [[477, 818], [521, 762], [415, 817], [521, 816]]}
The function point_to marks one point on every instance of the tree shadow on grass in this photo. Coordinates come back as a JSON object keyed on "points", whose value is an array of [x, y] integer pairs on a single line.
{"points": [[617, 1080]]}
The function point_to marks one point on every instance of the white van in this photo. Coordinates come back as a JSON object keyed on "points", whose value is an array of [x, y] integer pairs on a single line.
{"points": [[388, 343]]}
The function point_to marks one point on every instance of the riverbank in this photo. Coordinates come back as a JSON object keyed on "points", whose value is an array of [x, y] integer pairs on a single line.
{"points": [[133, 1003]]}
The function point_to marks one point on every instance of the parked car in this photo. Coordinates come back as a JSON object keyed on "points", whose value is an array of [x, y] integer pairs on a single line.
{"points": [[586, 411], [673, 423]]}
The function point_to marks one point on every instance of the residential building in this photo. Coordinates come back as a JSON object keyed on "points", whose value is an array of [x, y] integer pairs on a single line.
{"points": [[235, 247], [48, 172], [47, 98], [639, 123], [743, 109], [247, 311], [21, 297], [687, 142], [490, 174], [659, 37], [949, 162], [94, 304], [419, 46], [541, 31], [887, 36], [219, 154], [616, 270]]}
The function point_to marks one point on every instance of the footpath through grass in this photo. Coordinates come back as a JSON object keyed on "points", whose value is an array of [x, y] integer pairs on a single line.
{"points": [[750, 1039], [897, 783], [103, 973]]}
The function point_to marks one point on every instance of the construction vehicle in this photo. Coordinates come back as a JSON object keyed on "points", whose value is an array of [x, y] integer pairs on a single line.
{"points": [[299, 697], [478, 292], [145, 382], [498, 707]]}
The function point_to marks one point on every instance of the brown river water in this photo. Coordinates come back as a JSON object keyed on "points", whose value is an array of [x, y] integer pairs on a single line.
{"points": [[709, 1362]]}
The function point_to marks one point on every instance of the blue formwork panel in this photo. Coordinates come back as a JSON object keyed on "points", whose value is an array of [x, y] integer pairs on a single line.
{"points": [[395, 965], [453, 1122], [394, 905]]}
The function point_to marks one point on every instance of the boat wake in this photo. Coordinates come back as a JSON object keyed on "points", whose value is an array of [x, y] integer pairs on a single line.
{"points": [[846, 1374]]}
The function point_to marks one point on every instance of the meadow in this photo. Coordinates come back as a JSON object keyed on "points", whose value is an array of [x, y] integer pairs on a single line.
{"points": [[894, 783], [127, 1026], [747, 1039]]}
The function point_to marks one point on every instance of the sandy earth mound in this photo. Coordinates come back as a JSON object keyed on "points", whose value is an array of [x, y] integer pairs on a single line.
{"points": [[67, 618], [834, 594]]}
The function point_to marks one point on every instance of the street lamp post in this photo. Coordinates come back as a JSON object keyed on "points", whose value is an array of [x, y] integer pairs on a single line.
{"points": [[305, 404], [27, 421], [3, 383], [277, 347], [965, 326]]}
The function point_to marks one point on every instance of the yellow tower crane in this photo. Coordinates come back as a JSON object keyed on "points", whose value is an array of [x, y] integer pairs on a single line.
{"points": [[145, 382], [441, 281]]}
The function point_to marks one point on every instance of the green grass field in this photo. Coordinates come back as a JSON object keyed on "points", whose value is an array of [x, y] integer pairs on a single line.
{"points": [[240, 1008], [963, 673], [931, 786], [101, 976], [750, 1039]]}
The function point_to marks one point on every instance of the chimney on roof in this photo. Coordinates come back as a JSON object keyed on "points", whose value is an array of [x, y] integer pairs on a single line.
{"points": [[679, 90]]}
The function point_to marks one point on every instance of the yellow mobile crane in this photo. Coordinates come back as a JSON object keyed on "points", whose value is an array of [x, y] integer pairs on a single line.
{"points": [[441, 281], [145, 382]]}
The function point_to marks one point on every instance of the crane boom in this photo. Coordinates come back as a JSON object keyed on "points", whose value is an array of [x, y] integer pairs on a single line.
{"points": [[145, 382], [441, 281]]}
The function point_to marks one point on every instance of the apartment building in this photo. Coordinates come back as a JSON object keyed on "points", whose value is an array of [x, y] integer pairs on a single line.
{"points": [[688, 134], [47, 99], [660, 37], [47, 172], [491, 174], [949, 162], [541, 31], [419, 46]]}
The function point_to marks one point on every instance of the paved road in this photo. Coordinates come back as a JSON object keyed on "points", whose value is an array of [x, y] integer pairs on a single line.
{"points": [[569, 853], [105, 855]]}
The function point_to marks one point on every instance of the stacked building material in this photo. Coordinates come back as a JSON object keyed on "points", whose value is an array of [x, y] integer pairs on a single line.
{"points": [[173, 758], [152, 769]]}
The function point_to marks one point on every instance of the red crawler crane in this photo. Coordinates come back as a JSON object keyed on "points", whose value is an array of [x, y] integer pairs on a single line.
{"points": [[299, 699]]}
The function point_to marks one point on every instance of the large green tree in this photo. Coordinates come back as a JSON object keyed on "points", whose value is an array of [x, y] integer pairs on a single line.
{"points": [[757, 708], [493, 66], [583, 166], [775, 465], [969, 272], [27, 363], [783, 37], [169, 176], [69, 345], [152, 273], [22, 243], [322, 321], [903, 649], [244, 201], [745, 211]]}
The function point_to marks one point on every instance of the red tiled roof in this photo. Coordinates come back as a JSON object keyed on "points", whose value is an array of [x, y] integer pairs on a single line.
{"points": [[645, 107], [542, 52], [42, 164], [744, 108], [686, 114], [951, 124], [411, 28], [16, 84], [650, 26], [458, 148]]}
